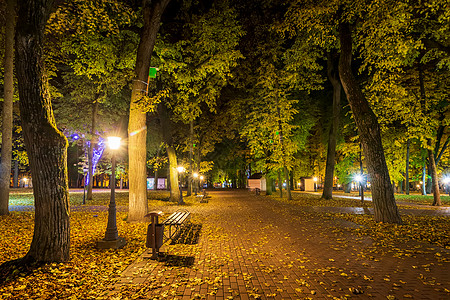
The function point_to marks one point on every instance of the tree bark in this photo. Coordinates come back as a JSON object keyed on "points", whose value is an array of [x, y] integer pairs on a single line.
{"points": [[269, 183], [16, 174], [155, 183], [408, 143], [191, 152], [333, 76], [171, 154], [385, 209], [7, 113], [436, 192], [280, 184], [137, 129], [92, 145], [174, 184], [45, 144]]}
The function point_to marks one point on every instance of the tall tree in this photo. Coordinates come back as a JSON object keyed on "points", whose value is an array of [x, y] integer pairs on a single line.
{"points": [[7, 112], [137, 127], [333, 76], [46, 145], [385, 209]]}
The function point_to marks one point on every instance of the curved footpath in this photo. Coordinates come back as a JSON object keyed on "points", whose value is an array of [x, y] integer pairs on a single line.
{"points": [[243, 246]]}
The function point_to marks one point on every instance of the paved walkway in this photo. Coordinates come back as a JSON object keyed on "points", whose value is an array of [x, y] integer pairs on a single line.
{"points": [[242, 246]]}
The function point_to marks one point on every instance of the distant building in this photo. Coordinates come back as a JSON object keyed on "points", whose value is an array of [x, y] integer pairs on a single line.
{"points": [[256, 181]]}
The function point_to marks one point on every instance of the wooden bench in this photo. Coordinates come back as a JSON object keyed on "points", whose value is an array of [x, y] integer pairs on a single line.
{"points": [[174, 222], [202, 197]]}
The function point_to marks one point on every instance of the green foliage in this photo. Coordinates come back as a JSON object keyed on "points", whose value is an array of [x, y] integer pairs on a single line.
{"points": [[199, 64], [94, 56]]}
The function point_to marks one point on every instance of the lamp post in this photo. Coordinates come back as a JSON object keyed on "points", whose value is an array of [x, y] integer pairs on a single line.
{"points": [[315, 184], [85, 169], [180, 170], [112, 239], [25, 182], [359, 178]]}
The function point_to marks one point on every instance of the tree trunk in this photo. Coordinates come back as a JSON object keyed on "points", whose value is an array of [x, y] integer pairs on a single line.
{"points": [[408, 144], [288, 185], [424, 177], [45, 144], [385, 209], [166, 132], [155, 182], [174, 184], [137, 129], [7, 113], [191, 153], [280, 184], [91, 150], [269, 183], [333, 76], [436, 192], [429, 185], [16, 174]]}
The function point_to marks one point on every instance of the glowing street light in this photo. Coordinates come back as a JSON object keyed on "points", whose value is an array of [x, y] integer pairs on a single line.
{"points": [[360, 178], [112, 239], [315, 184], [447, 182]]}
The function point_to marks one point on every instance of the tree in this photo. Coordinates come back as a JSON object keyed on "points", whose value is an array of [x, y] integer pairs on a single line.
{"points": [[92, 62], [195, 61], [385, 209], [46, 145], [333, 76], [137, 130], [7, 112]]}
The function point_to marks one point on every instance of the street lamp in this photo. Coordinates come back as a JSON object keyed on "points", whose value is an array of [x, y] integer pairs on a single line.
{"points": [[360, 178], [315, 184], [112, 239], [180, 169], [25, 182], [85, 169]]}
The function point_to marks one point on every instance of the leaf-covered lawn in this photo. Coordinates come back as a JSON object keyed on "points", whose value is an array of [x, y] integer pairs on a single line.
{"points": [[90, 270]]}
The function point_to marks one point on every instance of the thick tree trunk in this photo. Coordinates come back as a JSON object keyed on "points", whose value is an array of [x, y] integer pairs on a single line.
{"points": [[46, 145], [269, 183], [7, 113], [333, 76], [137, 129], [92, 145], [385, 209], [408, 143], [436, 192], [174, 184]]}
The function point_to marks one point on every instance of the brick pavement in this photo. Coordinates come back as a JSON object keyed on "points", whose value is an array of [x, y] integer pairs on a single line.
{"points": [[253, 247]]}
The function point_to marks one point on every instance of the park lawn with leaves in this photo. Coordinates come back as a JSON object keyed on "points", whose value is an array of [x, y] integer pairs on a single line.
{"points": [[420, 229], [90, 271]]}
